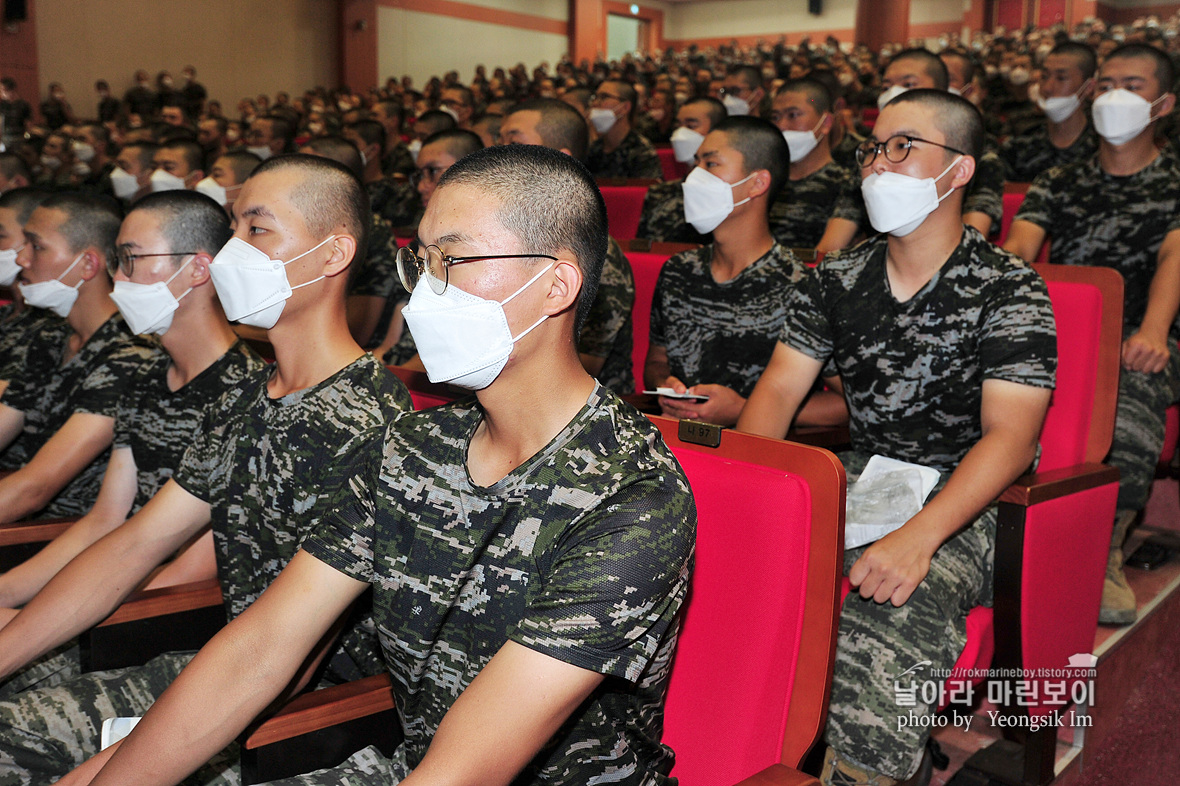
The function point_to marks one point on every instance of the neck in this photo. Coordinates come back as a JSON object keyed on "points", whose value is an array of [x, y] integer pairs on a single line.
{"points": [[1131, 157], [614, 137], [92, 308], [911, 261], [198, 337], [741, 240], [1066, 132], [311, 346], [521, 416], [812, 162]]}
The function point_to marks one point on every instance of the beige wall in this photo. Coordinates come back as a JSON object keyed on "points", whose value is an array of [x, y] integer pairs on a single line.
{"points": [[769, 18], [926, 11], [424, 45], [239, 47]]}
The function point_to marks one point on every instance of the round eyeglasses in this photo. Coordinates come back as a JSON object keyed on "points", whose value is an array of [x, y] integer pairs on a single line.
{"points": [[435, 266], [896, 149], [124, 260]]}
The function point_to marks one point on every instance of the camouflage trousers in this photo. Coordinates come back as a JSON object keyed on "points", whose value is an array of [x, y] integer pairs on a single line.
{"points": [[52, 668], [878, 642], [1139, 428], [366, 767], [46, 732]]}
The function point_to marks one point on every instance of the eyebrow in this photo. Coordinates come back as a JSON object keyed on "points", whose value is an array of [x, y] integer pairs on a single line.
{"points": [[452, 237], [258, 210], [31, 236]]}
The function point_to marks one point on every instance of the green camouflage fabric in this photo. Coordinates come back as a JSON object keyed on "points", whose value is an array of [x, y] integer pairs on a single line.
{"points": [[913, 372], [20, 332], [263, 465], [377, 274], [878, 643], [844, 153], [396, 201], [634, 157], [159, 424], [398, 161], [607, 332], [1093, 218], [583, 553], [93, 381], [913, 375], [1027, 156], [722, 333], [985, 193], [662, 218], [45, 733], [800, 214], [403, 351]]}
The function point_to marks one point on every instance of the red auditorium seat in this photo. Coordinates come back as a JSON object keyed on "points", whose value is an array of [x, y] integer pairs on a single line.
{"points": [[624, 204], [1013, 198], [673, 169], [646, 259], [745, 713]]}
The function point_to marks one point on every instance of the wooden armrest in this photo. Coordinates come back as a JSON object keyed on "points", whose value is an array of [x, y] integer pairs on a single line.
{"points": [[320, 709], [166, 600], [820, 436], [1040, 487], [779, 775], [20, 532]]}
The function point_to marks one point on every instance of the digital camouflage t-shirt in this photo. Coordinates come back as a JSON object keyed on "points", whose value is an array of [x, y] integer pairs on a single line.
{"points": [[799, 216], [583, 553], [607, 332]]}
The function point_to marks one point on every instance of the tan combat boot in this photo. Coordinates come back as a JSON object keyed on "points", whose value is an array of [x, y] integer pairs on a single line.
{"points": [[1118, 601], [839, 771]]}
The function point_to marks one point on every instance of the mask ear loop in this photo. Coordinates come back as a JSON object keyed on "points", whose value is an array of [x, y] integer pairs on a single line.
{"points": [[940, 177], [68, 269], [732, 186], [527, 284], [177, 273], [301, 256]]}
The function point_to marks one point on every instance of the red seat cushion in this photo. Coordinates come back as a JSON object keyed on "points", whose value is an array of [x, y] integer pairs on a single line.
{"points": [[624, 206]]}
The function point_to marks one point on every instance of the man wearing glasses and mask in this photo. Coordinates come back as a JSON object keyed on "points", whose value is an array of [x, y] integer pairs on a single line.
{"points": [[504, 543], [946, 349], [619, 150]]}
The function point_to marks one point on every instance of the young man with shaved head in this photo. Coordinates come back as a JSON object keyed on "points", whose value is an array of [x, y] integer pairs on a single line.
{"points": [[497, 593], [619, 150], [256, 473], [945, 347]]}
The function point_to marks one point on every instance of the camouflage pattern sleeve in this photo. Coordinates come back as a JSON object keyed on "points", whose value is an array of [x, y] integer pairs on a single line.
{"points": [[1017, 340], [986, 192], [101, 390], [1040, 204], [396, 201], [607, 332], [377, 276], [662, 218], [398, 161]]}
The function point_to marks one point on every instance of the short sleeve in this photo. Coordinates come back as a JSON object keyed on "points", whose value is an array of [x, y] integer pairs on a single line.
{"points": [[101, 391], [807, 328], [1018, 342], [612, 305], [985, 194], [657, 327], [616, 583], [1039, 205]]}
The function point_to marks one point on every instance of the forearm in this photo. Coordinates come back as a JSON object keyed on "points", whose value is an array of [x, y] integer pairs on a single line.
{"points": [[24, 492], [1163, 298], [980, 221], [656, 367], [196, 562], [19, 585]]}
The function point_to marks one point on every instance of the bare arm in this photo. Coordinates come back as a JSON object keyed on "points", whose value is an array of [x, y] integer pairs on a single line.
{"points": [[503, 718], [656, 368], [1012, 414], [825, 407], [780, 390], [96, 582], [20, 584], [980, 221], [1147, 349], [196, 562], [78, 442], [1025, 240], [12, 423], [839, 234], [235, 676]]}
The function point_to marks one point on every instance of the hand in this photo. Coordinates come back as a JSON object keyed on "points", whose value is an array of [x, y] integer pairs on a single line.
{"points": [[893, 567], [1145, 352], [723, 407]]}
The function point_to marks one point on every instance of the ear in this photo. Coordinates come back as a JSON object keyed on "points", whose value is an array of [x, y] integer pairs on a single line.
{"points": [[963, 172], [1086, 92], [759, 184], [198, 269], [93, 262], [827, 123], [1167, 104], [564, 288], [343, 251]]}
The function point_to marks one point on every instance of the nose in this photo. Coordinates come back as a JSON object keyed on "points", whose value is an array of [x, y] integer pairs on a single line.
{"points": [[24, 256]]}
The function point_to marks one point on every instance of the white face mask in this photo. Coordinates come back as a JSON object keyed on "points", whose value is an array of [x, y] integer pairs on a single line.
{"points": [[262, 151], [124, 183], [735, 106], [83, 152], [166, 181], [897, 204], [1018, 76], [449, 111], [415, 147], [889, 95], [801, 143], [603, 120], [53, 295], [463, 339], [9, 270], [212, 189], [685, 144], [148, 308], [1120, 115], [252, 287], [708, 200], [1058, 108]]}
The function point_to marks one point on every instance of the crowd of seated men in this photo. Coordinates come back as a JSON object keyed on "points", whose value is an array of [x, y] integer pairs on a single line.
{"points": [[129, 402]]}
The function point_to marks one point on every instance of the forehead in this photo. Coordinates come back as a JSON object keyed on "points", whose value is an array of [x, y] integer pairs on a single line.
{"points": [[168, 154], [45, 222], [270, 193], [716, 142], [435, 153], [907, 118], [1128, 68], [464, 214], [794, 99], [139, 228], [521, 122], [908, 67], [1059, 62], [8, 218]]}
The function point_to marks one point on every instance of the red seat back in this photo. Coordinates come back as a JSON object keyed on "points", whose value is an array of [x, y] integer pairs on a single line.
{"points": [[624, 206], [423, 392], [753, 669], [672, 169], [645, 266]]}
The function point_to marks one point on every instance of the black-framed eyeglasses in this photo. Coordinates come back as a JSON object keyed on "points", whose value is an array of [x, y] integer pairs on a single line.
{"points": [[597, 97], [124, 260], [896, 149], [436, 264]]}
